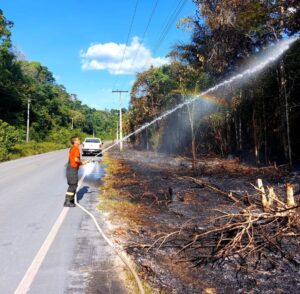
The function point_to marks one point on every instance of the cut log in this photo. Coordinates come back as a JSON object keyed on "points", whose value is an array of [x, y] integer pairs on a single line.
{"points": [[262, 192], [290, 200]]}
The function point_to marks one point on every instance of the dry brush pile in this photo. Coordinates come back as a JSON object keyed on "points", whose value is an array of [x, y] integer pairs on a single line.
{"points": [[258, 231]]}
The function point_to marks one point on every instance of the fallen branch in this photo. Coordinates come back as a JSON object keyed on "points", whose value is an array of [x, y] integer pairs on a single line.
{"points": [[247, 236], [229, 195]]}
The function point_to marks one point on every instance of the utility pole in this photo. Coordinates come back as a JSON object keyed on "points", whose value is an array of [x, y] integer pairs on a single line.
{"points": [[117, 131], [28, 119], [120, 109]]}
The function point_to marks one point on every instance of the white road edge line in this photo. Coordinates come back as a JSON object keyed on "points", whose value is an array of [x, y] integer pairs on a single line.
{"points": [[30, 274], [33, 269]]}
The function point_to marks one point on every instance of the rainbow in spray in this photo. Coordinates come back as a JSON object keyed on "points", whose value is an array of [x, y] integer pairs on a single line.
{"points": [[211, 99]]}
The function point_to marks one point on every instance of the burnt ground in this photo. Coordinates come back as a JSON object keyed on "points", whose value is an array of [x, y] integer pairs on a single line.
{"points": [[155, 209]]}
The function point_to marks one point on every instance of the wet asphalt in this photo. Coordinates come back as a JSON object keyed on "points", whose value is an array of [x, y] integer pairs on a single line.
{"points": [[32, 195]]}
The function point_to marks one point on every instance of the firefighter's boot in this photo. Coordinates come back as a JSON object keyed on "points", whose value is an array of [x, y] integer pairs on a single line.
{"points": [[72, 203], [67, 201]]}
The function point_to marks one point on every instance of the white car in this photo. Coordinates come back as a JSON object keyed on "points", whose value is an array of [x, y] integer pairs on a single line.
{"points": [[91, 146]]}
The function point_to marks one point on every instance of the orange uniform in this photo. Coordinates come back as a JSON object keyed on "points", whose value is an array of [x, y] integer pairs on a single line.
{"points": [[74, 153], [72, 175]]}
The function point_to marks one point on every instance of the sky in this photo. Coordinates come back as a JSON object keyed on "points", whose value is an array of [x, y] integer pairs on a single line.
{"points": [[83, 42]]}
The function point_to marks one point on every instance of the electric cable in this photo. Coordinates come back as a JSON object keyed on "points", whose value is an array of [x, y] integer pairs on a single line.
{"points": [[167, 26], [127, 40], [145, 31], [169, 23]]}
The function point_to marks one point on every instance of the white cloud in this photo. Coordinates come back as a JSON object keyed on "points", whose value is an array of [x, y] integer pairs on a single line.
{"points": [[108, 56]]}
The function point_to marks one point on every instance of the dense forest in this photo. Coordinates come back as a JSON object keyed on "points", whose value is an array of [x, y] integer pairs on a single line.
{"points": [[257, 121], [54, 113]]}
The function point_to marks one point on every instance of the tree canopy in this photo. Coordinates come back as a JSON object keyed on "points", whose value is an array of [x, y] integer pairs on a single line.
{"points": [[256, 120], [53, 111]]}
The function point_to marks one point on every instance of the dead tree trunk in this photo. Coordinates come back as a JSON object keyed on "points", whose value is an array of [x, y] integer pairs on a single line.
{"points": [[240, 126], [147, 140], [191, 119], [265, 133], [287, 115], [228, 132], [236, 131], [240, 133], [191, 109], [255, 137], [282, 81]]}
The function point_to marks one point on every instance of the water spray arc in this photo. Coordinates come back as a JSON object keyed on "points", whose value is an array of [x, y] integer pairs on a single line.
{"points": [[272, 55]]}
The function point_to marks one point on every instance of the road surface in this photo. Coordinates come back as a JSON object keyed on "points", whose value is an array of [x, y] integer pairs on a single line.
{"points": [[78, 260]]}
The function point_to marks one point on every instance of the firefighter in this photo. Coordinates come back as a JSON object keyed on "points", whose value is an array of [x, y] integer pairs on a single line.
{"points": [[72, 171]]}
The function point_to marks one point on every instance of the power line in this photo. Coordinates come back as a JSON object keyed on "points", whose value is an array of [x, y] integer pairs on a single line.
{"points": [[171, 19], [150, 19], [168, 24], [127, 39], [145, 31]]}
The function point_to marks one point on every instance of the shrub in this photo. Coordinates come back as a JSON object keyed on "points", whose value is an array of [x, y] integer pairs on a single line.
{"points": [[9, 136], [63, 135], [32, 148]]}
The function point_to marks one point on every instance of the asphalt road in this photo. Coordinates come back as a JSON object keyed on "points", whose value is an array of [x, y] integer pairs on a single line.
{"points": [[78, 260]]}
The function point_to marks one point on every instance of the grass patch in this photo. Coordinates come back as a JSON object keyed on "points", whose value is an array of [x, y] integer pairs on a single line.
{"points": [[33, 148], [113, 166], [108, 192], [114, 197], [130, 280], [111, 205]]}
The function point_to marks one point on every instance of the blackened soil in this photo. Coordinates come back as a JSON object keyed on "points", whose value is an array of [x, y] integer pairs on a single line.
{"points": [[167, 202]]}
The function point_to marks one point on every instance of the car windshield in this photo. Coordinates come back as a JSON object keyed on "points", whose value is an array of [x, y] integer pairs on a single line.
{"points": [[92, 140]]}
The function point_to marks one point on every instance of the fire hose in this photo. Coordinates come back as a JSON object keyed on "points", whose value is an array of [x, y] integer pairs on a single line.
{"points": [[120, 253]]}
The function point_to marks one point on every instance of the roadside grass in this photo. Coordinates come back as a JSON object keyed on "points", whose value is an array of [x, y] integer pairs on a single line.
{"points": [[113, 195], [33, 148], [112, 168], [13, 145], [130, 280], [110, 205], [112, 165], [118, 203]]}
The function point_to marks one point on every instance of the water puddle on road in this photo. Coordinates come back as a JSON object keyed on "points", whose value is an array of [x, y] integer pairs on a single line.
{"points": [[94, 173]]}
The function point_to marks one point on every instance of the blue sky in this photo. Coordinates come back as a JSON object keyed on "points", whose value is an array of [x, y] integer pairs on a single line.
{"points": [[81, 41]]}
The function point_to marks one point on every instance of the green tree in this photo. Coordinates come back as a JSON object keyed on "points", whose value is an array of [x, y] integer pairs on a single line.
{"points": [[9, 136]]}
